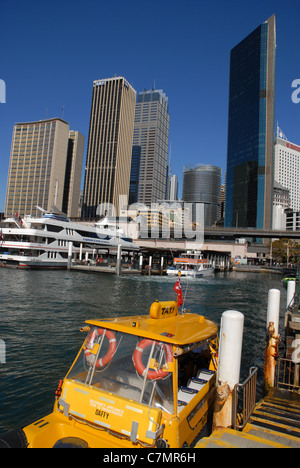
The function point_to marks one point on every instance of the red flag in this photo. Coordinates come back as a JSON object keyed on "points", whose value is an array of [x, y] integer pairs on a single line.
{"points": [[178, 290]]}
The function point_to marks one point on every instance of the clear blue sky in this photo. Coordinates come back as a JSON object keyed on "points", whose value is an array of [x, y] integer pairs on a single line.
{"points": [[51, 51]]}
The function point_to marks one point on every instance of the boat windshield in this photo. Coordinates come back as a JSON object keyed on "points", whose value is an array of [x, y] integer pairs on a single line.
{"points": [[126, 365]]}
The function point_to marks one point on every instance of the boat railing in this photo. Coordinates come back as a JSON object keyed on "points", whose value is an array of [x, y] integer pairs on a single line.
{"points": [[244, 400], [288, 373]]}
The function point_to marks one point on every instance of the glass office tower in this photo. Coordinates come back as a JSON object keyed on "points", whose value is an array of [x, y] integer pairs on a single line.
{"points": [[249, 184]]}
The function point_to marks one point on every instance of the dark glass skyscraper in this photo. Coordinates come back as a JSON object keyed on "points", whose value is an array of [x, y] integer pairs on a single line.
{"points": [[249, 183]]}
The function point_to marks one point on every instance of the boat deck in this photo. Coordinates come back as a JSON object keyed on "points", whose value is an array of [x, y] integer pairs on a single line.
{"points": [[274, 423]]}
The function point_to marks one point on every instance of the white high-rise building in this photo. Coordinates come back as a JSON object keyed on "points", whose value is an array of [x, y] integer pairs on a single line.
{"points": [[173, 188], [287, 168]]}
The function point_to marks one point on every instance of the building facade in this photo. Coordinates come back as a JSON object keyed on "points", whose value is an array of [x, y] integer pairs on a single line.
{"points": [[202, 184], [71, 198], [108, 163], [41, 171], [250, 148], [151, 134], [287, 169], [173, 188]]}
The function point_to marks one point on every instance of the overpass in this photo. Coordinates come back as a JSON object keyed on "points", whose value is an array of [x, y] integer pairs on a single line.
{"points": [[235, 233]]}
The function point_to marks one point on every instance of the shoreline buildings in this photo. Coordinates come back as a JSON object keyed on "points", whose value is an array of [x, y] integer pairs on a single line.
{"points": [[45, 168], [250, 150], [108, 162], [286, 205]]}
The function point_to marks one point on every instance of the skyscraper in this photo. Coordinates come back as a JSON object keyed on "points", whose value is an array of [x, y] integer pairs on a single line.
{"points": [[287, 168], [73, 174], [42, 172], [107, 172], [249, 185], [173, 195], [151, 133]]}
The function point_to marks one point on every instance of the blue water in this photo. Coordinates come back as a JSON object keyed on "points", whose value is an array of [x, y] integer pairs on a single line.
{"points": [[41, 313]]}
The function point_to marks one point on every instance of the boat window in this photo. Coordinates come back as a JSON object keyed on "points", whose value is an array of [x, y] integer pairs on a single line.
{"points": [[54, 228], [126, 365]]}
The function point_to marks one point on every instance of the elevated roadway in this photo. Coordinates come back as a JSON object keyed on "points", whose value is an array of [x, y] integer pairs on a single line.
{"points": [[235, 233]]}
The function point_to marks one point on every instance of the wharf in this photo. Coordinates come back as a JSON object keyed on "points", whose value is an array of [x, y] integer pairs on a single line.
{"points": [[274, 423], [104, 269]]}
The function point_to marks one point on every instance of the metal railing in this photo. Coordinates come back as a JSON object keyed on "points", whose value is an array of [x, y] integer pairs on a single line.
{"points": [[288, 373], [244, 400]]}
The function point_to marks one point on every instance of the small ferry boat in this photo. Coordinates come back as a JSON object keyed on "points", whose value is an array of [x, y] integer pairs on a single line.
{"points": [[44, 242], [191, 266], [139, 381]]}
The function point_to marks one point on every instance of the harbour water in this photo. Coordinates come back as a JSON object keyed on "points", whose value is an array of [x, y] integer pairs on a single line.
{"points": [[41, 313]]}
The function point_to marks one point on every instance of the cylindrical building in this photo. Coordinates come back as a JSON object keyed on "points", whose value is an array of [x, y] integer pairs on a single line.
{"points": [[202, 184]]}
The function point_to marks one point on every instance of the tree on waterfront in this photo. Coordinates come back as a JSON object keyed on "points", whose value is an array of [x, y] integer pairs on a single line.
{"points": [[285, 251]]}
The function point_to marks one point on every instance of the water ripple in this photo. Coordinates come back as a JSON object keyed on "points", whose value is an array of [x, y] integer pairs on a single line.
{"points": [[41, 313]]}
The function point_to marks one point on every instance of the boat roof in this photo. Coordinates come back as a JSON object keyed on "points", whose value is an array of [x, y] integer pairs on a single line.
{"points": [[164, 323]]}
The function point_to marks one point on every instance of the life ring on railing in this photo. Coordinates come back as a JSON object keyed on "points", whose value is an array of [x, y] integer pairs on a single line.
{"points": [[101, 362], [139, 366]]}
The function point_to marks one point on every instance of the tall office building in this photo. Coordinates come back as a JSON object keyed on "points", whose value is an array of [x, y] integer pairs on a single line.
{"points": [[71, 198], [107, 172], [249, 185], [43, 169], [287, 168], [173, 188], [151, 133]]}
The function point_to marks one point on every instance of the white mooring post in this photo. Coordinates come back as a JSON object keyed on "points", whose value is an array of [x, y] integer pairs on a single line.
{"points": [[230, 354], [70, 252], [119, 258], [291, 288]]}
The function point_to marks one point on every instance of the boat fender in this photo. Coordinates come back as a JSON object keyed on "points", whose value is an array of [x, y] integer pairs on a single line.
{"points": [[14, 439], [139, 366], [101, 362]]}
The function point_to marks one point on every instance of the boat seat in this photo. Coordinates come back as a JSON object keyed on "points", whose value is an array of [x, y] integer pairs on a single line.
{"points": [[186, 394], [205, 374], [194, 385]]}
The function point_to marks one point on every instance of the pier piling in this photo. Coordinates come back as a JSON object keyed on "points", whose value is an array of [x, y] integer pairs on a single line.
{"points": [[230, 353], [70, 253]]}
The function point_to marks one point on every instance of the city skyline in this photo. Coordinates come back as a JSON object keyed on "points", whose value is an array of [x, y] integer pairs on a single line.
{"points": [[188, 57]]}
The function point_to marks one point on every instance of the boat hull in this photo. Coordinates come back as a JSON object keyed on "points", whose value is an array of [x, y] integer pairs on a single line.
{"points": [[15, 264], [190, 274]]}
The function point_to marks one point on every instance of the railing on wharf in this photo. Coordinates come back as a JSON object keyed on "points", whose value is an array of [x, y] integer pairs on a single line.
{"points": [[288, 375], [244, 400]]}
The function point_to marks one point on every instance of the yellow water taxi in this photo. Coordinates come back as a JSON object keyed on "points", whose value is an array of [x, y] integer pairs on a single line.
{"points": [[139, 381]]}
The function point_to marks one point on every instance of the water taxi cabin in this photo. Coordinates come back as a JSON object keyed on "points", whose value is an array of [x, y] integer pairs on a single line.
{"points": [[140, 381]]}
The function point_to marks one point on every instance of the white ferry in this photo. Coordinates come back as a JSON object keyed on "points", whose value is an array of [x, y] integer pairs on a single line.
{"points": [[191, 266], [44, 242]]}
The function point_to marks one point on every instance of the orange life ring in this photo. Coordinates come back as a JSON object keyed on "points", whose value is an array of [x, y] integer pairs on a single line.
{"points": [[101, 362], [139, 366]]}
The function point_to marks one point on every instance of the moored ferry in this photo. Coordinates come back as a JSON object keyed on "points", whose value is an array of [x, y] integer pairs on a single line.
{"points": [[138, 381], [44, 242]]}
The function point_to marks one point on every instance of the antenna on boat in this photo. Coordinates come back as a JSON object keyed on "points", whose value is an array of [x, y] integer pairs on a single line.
{"points": [[40, 209], [58, 211]]}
